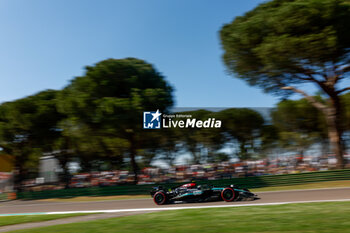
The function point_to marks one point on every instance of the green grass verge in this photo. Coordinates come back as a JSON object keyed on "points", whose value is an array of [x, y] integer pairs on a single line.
{"points": [[97, 198], [11, 220], [316, 185], [312, 217]]}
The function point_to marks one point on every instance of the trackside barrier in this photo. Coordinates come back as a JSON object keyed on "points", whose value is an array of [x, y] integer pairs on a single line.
{"points": [[8, 196], [3, 197], [12, 196], [246, 182]]}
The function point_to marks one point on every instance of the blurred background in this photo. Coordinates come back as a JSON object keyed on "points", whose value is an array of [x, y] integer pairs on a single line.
{"points": [[76, 78]]}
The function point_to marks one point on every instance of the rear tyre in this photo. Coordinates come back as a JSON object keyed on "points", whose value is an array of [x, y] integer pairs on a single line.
{"points": [[228, 194], [159, 198]]}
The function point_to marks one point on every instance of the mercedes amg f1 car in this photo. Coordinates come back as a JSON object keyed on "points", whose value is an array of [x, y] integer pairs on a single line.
{"points": [[201, 193]]}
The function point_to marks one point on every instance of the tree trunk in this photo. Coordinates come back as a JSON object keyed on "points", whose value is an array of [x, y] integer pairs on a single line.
{"points": [[332, 114], [19, 174], [243, 151], [333, 118], [66, 175], [334, 134], [18, 178], [132, 153], [195, 156]]}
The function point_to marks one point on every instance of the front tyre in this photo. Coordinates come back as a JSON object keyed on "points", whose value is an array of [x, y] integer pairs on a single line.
{"points": [[159, 198], [228, 194]]}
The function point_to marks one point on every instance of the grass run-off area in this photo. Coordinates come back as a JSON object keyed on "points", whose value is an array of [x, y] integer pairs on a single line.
{"points": [[97, 198], [11, 220], [311, 217], [316, 185]]}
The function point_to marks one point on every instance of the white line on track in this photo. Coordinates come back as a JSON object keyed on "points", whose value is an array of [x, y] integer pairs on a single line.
{"points": [[171, 208]]}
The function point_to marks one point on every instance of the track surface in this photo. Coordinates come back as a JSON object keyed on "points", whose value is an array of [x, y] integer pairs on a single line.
{"points": [[265, 197]]}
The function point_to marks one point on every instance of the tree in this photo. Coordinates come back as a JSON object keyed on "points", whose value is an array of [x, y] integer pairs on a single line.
{"points": [[283, 44], [269, 140], [169, 144], [243, 126], [299, 124], [202, 143], [345, 100], [27, 128], [110, 98], [77, 142]]}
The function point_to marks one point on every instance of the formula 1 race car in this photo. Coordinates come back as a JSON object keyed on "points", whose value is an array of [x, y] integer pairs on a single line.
{"points": [[201, 193]]}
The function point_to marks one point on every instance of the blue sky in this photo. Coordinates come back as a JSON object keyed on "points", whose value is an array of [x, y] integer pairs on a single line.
{"points": [[44, 44]]}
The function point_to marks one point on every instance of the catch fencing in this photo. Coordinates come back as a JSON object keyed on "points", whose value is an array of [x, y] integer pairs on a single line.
{"points": [[246, 182]]}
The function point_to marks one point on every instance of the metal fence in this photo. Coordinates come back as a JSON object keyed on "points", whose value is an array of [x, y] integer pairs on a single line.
{"points": [[246, 182]]}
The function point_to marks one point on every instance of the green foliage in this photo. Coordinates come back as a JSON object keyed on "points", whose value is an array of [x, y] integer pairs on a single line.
{"points": [[202, 143], [346, 114], [243, 126], [269, 140], [299, 124], [115, 92], [345, 99], [27, 129], [300, 116], [169, 144], [98, 118], [281, 42], [106, 105]]}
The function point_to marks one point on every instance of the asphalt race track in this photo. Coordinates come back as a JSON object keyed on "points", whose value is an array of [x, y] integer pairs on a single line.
{"points": [[16, 207]]}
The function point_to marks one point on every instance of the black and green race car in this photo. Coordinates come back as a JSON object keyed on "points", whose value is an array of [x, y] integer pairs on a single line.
{"points": [[192, 193]]}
